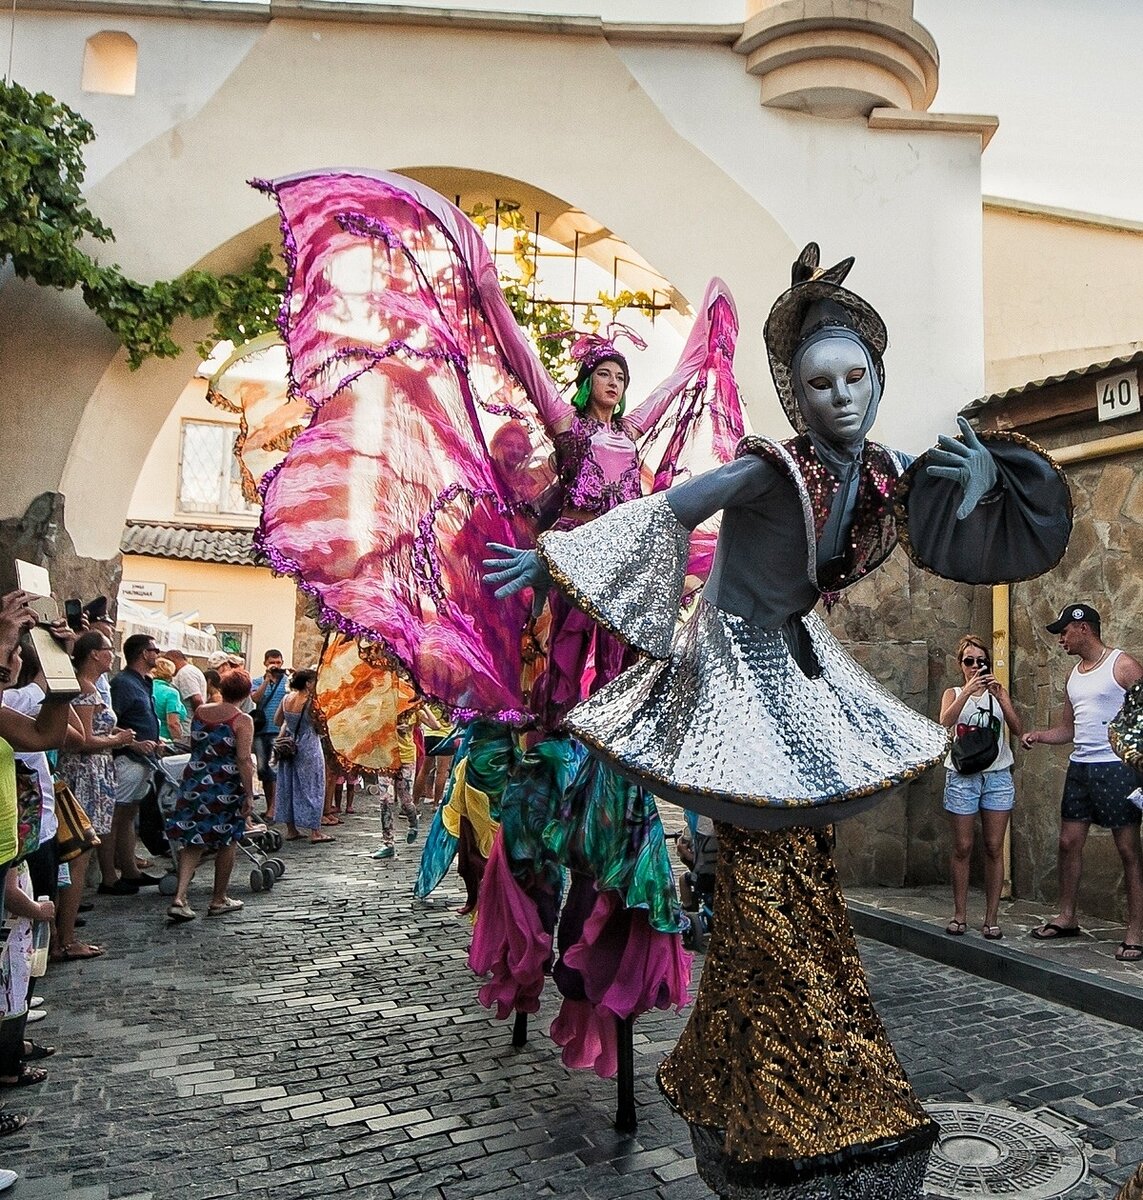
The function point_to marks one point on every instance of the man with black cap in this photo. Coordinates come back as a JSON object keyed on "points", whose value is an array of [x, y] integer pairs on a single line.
{"points": [[1098, 782]]}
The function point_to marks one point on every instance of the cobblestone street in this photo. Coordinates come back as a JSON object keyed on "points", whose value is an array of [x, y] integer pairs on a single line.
{"points": [[327, 1041]]}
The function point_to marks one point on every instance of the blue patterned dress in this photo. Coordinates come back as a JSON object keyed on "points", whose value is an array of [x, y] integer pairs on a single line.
{"points": [[208, 812]]}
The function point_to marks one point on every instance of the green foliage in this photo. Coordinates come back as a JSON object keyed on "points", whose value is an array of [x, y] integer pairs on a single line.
{"points": [[44, 220]]}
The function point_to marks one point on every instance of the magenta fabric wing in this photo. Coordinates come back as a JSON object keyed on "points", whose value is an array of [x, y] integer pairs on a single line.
{"points": [[423, 444], [696, 413]]}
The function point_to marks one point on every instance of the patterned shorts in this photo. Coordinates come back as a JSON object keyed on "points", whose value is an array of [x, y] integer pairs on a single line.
{"points": [[1098, 792]]}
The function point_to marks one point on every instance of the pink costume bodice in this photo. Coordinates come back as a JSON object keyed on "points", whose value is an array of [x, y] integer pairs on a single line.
{"points": [[597, 469]]}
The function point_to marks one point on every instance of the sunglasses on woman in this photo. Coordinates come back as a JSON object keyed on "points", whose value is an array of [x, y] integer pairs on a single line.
{"points": [[975, 662]]}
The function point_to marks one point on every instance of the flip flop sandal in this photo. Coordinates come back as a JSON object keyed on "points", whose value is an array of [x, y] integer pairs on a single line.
{"points": [[12, 1122], [1129, 952], [28, 1077], [320, 841], [992, 932], [77, 951], [1057, 931], [36, 1052], [956, 928]]}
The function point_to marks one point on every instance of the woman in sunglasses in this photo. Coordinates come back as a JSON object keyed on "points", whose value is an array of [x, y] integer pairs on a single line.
{"points": [[980, 701]]}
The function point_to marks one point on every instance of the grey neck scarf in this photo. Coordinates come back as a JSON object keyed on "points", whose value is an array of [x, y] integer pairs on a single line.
{"points": [[841, 459]]}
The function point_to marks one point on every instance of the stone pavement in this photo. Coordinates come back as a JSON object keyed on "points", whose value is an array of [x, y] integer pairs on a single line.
{"points": [[326, 1041]]}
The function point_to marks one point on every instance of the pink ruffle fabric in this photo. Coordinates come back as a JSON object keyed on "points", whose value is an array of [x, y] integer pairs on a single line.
{"points": [[627, 968], [508, 941]]}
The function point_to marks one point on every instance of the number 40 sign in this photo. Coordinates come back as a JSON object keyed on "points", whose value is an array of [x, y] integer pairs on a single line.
{"points": [[1117, 396]]}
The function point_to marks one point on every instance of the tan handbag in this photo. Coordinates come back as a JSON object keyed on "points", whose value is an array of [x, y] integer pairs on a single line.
{"points": [[75, 834]]}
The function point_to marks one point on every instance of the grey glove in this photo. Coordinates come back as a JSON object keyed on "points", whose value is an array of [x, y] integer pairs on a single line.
{"points": [[515, 569], [967, 462]]}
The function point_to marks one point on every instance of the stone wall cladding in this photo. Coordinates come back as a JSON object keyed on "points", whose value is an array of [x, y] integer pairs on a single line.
{"points": [[1103, 566], [902, 625], [40, 536]]}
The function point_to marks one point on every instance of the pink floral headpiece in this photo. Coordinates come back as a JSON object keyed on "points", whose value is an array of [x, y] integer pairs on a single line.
{"points": [[590, 348]]}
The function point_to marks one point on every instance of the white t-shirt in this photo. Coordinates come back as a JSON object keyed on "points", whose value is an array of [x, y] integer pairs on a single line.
{"points": [[190, 681], [27, 700]]}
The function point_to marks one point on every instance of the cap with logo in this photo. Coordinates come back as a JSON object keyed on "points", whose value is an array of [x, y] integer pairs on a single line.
{"points": [[216, 659], [1074, 612]]}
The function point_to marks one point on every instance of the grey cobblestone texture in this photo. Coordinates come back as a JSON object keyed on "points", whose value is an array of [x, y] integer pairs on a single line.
{"points": [[327, 1041]]}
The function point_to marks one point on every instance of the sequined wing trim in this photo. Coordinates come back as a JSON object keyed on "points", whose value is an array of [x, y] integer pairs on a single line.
{"points": [[626, 570]]}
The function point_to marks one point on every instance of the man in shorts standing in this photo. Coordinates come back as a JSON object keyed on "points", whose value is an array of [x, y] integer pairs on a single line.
{"points": [[131, 695], [1097, 783]]}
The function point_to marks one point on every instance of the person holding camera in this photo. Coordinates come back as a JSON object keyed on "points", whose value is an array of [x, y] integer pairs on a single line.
{"points": [[268, 694], [978, 779]]}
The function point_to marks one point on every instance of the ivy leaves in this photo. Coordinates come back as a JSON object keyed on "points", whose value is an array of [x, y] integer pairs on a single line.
{"points": [[44, 220]]}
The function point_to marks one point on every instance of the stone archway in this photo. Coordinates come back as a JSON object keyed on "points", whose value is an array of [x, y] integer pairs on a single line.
{"points": [[581, 127]]}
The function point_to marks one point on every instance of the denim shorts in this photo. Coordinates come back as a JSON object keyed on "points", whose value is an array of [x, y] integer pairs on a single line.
{"points": [[966, 795]]}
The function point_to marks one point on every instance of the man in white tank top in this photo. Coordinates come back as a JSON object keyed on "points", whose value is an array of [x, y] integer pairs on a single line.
{"points": [[1097, 783]]}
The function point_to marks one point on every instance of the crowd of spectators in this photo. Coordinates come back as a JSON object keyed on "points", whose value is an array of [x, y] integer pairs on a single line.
{"points": [[78, 783]]}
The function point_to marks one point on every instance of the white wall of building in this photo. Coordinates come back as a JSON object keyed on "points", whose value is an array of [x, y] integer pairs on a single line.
{"points": [[905, 204]]}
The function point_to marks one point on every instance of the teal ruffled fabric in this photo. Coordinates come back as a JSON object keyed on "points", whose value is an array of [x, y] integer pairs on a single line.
{"points": [[607, 828]]}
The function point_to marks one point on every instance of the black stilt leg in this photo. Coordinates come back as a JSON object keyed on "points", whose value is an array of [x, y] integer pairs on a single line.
{"points": [[520, 1030], [625, 1119]]}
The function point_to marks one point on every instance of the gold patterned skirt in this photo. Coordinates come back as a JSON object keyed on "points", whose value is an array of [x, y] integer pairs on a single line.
{"points": [[784, 1070]]}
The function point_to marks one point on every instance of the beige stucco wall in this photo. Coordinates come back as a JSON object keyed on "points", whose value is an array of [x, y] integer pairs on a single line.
{"points": [[224, 595], [1058, 294], [155, 497]]}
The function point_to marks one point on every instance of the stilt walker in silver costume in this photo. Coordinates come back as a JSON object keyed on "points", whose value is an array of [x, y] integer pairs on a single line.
{"points": [[784, 1071]]}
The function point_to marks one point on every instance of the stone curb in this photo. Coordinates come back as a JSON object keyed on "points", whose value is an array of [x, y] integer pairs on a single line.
{"points": [[1081, 990]]}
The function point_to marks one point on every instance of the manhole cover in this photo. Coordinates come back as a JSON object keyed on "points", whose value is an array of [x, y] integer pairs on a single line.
{"points": [[986, 1151]]}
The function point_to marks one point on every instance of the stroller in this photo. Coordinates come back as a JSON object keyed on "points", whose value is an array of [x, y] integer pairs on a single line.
{"points": [[258, 844], [697, 846]]}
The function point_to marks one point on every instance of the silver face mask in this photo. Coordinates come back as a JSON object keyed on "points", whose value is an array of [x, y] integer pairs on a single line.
{"points": [[837, 387]]}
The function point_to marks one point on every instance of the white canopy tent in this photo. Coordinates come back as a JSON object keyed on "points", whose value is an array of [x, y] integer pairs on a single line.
{"points": [[167, 631]]}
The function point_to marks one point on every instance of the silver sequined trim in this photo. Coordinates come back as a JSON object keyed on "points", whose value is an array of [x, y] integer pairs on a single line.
{"points": [[626, 570], [900, 1178], [731, 727]]}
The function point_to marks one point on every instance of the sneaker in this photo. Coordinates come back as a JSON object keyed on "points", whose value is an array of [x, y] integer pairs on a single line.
{"points": [[181, 912], [7, 1178], [227, 906], [384, 852], [411, 836], [36, 1014], [36, 1002], [121, 887]]}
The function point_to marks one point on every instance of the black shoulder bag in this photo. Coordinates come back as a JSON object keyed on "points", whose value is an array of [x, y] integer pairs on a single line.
{"points": [[977, 744]]}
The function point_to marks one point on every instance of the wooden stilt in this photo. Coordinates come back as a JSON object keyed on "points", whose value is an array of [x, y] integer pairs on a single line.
{"points": [[520, 1030], [625, 1119]]}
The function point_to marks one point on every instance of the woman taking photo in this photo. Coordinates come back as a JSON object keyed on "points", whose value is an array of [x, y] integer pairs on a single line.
{"points": [[301, 777], [980, 701]]}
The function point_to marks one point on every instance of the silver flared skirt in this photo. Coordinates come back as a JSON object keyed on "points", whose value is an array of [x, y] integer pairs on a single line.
{"points": [[730, 726]]}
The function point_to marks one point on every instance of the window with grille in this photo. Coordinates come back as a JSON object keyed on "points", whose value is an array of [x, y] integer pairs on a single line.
{"points": [[210, 480]]}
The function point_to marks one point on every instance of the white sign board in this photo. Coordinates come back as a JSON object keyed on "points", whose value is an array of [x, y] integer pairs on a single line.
{"points": [[136, 589], [1117, 395]]}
